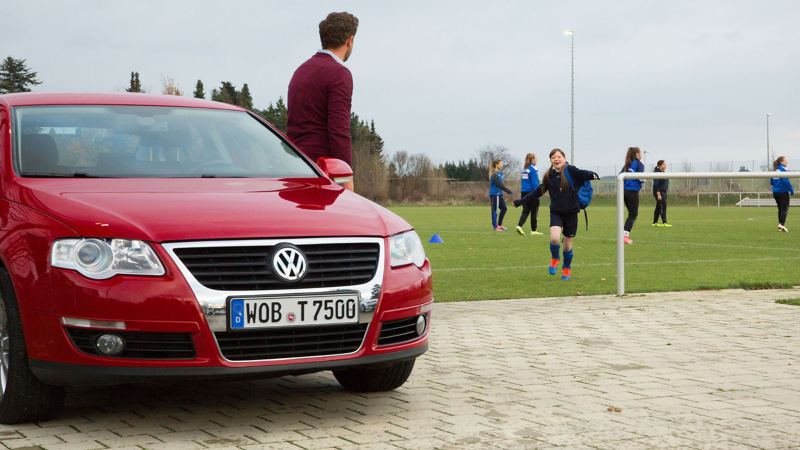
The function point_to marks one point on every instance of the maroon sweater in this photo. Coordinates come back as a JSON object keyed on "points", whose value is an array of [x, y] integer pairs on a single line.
{"points": [[319, 99]]}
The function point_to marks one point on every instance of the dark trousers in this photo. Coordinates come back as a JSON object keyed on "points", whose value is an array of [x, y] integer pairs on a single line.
{"points": [[498, 203], [531, 207], [661, 208], [632, 204], [782, 199]]}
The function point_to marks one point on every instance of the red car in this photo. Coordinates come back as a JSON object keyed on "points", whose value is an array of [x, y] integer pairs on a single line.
{"points": [[157, 237]]}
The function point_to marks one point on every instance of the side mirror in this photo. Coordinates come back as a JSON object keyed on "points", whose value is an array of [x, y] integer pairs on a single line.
{"points": [[337, 170]]}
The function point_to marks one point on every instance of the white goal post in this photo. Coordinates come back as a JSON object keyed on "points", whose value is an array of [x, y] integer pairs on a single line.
{"points": [[660, 176]]}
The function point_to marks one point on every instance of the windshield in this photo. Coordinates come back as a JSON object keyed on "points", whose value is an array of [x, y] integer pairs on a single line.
{"points": [[149, 142]]}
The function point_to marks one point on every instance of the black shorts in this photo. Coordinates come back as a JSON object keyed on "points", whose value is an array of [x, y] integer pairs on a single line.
{"points": [[568, 223]]}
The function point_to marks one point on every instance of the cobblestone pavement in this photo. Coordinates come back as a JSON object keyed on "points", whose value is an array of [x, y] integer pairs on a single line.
{"points": [[714, 369]]}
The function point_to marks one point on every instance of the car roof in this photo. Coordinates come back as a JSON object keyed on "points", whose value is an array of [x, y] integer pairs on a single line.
{"points": [[117, 98]]}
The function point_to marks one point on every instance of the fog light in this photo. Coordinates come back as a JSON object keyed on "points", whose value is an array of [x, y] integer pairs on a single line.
{"points": [[110, 345], [421, 324]]}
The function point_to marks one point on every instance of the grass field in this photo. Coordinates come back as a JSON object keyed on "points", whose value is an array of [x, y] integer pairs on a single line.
{"points": [[707, 248]]}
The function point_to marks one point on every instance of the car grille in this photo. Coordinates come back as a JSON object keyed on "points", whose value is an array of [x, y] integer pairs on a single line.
{"points": [[249, 268], [137, 344], [398, 331], [291, 342]]}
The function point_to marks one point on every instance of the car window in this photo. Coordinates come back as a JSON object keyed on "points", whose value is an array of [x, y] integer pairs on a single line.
{"points": [[144, 141]]}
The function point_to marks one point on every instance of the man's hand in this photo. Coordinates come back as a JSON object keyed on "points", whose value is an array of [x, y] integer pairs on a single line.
{"points": [[658, 195], [517, 202]]}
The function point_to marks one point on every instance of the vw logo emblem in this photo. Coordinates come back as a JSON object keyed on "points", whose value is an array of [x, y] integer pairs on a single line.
{"points": [[289, 263]]}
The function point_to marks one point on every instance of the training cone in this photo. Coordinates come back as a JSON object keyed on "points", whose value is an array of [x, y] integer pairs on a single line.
{"points": [[436, 239]]}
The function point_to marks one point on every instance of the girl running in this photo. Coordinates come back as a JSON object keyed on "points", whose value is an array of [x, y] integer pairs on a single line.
{"points": [[660, 188], [632, 188], [564, 207], [529, 183], [781, 190], [496, 189]]}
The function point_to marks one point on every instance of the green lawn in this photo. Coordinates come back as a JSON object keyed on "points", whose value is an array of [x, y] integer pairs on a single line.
{"points": [[706, 248]]}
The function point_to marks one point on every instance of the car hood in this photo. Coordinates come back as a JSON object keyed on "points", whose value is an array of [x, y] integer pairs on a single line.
{"points": [[196, 209]]}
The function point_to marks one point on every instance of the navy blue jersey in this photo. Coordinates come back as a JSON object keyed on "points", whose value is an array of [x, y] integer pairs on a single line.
{"points": [[660, 185], [563, 201]]}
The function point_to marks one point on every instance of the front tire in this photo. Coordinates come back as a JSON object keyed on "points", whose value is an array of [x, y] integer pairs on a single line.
{"points": [[23, 398], [375, 378]]}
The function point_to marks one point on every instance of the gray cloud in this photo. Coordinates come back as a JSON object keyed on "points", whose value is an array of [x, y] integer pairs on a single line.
{"points": [[685, 80]]}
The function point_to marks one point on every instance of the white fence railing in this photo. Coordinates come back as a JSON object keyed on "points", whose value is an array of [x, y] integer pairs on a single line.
{"points": [[660, 176], [766, 195]]}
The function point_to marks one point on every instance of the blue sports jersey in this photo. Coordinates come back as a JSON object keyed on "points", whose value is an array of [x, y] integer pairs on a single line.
{"points": [[530, 179], [494, 189], [781, 185], [634, 185]]}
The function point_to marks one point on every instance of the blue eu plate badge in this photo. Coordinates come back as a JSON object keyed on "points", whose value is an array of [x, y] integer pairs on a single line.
{"points": [[237, 314]]}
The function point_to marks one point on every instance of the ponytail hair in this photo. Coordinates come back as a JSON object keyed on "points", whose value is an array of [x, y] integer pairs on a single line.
{"points": [[529, 159], [659, 163], [493, 167], [633, 153], [778, 162]]}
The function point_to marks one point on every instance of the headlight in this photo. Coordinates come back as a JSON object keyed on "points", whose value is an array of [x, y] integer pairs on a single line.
{"points": [[100, 259], [406, 248]]}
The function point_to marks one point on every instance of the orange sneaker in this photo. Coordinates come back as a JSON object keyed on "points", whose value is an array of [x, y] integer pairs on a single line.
{"points": [[566, 273], [627, 240], [553, 266]]}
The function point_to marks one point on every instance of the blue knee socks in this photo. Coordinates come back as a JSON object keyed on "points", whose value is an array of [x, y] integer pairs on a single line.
{"points": [[567, 258], [555, 249]]}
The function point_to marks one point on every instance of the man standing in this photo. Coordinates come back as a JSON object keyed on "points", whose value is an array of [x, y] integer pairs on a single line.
{"points": [[321, 91]]}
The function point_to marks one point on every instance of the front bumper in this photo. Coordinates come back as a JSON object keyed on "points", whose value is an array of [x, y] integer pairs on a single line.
{"points": [[64, 374], [169, 304]]}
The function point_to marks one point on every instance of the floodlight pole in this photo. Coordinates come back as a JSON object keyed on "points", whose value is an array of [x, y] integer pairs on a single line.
{"points": [[571, 35], [769, 159], [662, 176]]}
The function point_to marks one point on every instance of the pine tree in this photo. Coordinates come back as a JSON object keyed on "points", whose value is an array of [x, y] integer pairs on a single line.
{"points": [[226, 94], [276, 114], [16, 77], [375, 140], [135, 85], [198, 90], [245, 99]]}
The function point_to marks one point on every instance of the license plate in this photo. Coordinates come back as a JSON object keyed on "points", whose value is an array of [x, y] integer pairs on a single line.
{"points": [[249, 313]]}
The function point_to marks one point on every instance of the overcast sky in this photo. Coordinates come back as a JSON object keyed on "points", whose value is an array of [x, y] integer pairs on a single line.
{"points": [[681, 79]]}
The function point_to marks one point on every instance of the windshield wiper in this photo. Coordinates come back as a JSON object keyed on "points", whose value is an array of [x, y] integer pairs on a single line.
{"points": [[211, 175], [58, 175]]}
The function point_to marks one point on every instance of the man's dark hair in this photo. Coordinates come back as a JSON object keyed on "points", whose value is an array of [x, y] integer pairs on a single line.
{"points": [[336, 28]]}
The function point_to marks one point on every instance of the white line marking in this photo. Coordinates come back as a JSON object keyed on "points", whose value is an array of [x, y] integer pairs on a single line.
{"points": [[643, 263], [680, 243]]}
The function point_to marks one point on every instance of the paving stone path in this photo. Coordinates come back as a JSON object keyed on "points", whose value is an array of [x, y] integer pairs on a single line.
{"points": [[697, 370]]}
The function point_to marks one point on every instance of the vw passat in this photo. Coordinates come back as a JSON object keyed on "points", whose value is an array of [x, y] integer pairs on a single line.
{"points": [[156, 237]]}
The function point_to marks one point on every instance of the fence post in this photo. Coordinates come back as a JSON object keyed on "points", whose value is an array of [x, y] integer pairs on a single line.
{"points": [[620, 234]]}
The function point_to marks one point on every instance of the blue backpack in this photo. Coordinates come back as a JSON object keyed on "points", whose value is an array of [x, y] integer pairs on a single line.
{"points": [[585, 192]]}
